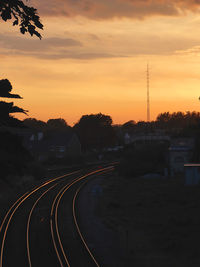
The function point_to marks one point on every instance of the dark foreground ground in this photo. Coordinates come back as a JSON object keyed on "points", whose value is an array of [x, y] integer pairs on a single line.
{"points": [[157, 220]]}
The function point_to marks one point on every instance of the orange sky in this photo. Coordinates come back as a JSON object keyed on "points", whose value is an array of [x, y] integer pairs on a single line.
{"points": [[93, 58]]}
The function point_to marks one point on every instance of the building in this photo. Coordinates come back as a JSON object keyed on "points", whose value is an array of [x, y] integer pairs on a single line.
{"points": [[180, 153], [142, 138], [53, 145], [192, 174]]}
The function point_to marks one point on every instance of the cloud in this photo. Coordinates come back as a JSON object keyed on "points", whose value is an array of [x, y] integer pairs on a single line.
{"points": [[119, 46], [106, 9], [21, 44], [155, 44], [81, 56], [195, 50], [49, 48]]}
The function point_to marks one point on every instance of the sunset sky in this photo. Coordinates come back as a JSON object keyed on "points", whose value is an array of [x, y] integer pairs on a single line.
{"points": [[93, 57]]}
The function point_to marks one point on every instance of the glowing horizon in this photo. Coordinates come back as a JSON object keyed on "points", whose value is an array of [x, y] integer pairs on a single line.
{"points": [[88, 63]]}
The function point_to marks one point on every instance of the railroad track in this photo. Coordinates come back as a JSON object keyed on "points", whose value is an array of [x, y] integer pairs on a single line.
{"points": [[41, 227]]}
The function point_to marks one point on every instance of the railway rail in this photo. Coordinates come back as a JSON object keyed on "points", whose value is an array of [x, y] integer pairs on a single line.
{"points": [[62, 243]]}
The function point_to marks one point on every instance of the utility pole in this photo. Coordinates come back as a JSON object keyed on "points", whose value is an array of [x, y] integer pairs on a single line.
{"points": [[148, 98]]}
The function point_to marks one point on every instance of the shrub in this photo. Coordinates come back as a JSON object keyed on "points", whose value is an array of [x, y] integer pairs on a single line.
{"points": [[145, 159]]}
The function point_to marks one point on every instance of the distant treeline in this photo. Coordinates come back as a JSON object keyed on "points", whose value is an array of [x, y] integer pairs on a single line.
{"points": [[97, 130], [167, 120], [178, 119], [164, 120]]}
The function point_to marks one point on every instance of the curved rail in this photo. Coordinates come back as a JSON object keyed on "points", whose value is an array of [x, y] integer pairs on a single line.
{"points": [[55, 207], [77, 226], [58, 246], [10, 213], [28, 223]]}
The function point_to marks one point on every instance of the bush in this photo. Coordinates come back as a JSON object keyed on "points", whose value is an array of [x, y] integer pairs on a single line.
{"points": [[146, 159]]}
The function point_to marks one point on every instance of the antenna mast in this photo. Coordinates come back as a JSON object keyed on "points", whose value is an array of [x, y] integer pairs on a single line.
{"points": [[148, 99]]}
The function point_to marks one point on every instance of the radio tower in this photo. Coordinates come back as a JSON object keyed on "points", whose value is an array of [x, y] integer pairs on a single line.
{"points": [[148, 100]]}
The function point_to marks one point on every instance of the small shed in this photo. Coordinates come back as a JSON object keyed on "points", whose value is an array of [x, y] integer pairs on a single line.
{"points": [[192, 174]]}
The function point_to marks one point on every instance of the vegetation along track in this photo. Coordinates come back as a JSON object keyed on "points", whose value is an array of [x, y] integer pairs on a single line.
{"points": [[21, 220]]}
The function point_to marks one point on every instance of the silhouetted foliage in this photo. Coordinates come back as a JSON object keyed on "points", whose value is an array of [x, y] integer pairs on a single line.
{"points": [[8, 108], [171, 123], [24, 16], [13, 156], [146, 159], [6, 88], [178, 119], [35, 124], [129, 125], [132, 127], [57, 124], [95, 131], [52, 125]]}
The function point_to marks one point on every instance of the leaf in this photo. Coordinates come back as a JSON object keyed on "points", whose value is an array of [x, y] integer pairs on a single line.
{"points": [[15, 22], [6, 14], [38, 24], [24, 16], [38, 34], [23, 30], [31, 29]]}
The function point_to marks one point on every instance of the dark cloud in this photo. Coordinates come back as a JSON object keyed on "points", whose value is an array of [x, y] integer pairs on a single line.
{"points": [[34, 45], [104, 9], [121, 46], [81, 56], [48, 48]]}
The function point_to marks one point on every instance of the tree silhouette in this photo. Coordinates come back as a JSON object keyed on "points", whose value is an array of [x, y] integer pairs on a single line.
{"points": [[35, 124], [178, 119], [13, 156], [95, 131], [24, 16], [8, 108], [129, 125], [57, 125]]}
